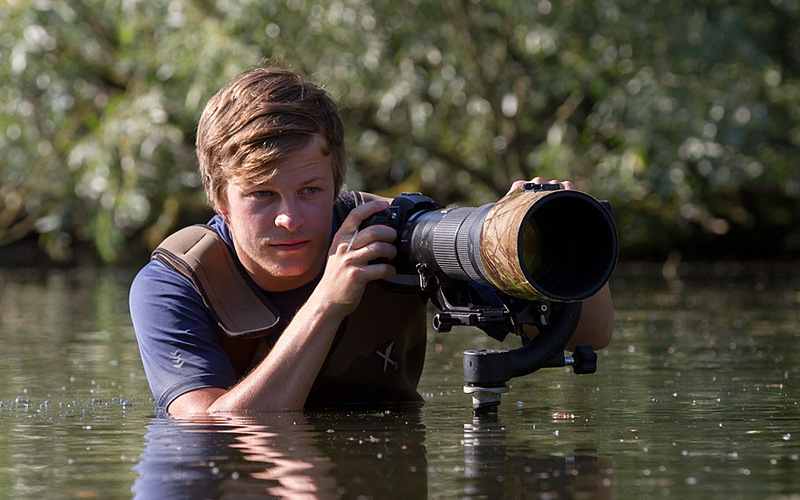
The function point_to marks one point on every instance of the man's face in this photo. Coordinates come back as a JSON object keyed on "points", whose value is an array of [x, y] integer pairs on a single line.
{"points": [[281, 228]]}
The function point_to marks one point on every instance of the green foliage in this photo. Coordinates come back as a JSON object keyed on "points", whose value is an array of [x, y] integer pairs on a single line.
{"points": [[686, 116]]}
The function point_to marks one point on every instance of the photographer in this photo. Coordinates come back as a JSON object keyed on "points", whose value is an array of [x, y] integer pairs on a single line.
{"points": [[278, 302]]}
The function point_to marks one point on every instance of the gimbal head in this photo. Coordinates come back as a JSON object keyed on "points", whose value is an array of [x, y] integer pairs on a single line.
{"points": [[487, 371]]}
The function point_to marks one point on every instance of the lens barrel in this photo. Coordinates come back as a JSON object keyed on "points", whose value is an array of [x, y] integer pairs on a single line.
{"points": [[558, 245]]}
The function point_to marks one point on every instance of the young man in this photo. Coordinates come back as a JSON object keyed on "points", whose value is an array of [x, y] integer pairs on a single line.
{"points": [[280, 302]]}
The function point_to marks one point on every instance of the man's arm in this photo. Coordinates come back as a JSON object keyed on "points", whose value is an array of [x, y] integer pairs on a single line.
{"points": [[285, 377], [178, 341], [596, 324]]}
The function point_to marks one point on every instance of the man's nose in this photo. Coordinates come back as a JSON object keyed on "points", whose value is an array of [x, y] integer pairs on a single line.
{"points": [[289, 216]]}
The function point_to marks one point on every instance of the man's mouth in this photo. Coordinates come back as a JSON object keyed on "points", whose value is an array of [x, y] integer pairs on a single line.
{"points": [[288, 246]]}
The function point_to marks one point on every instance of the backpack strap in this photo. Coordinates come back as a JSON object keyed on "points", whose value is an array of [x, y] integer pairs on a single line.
{"points": [[200, 254]]}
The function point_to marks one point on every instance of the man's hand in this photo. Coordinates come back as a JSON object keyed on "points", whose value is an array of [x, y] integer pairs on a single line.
{"points": [[540, 180], [351, 259]]}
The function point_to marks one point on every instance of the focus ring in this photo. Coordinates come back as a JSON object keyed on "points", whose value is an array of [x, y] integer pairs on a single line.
{"points": [[444, 245]]}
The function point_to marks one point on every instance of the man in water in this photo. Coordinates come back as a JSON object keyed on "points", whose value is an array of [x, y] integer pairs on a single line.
{"points": [[280, 301]]}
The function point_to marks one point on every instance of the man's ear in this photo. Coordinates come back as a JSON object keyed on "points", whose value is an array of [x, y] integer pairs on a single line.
{"points": [[224, 214], [222, 208]]}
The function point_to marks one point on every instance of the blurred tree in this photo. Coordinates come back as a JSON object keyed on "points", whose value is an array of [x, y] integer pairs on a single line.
{"points": [[684, 115]]}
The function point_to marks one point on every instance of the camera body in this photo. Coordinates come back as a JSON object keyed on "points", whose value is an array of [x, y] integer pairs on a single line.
{"points": [[403, 207], [389, 217]]}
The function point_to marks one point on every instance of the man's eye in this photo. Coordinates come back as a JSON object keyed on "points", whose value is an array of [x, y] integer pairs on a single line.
{"points": [[262, 194], [311, 190]]}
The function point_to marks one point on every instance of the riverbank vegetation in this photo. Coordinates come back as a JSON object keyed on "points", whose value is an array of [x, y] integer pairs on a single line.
{"points": [[684, 115]]}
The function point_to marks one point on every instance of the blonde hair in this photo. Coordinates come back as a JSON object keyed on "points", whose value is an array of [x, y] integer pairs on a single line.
{"points": [[259, 119]]}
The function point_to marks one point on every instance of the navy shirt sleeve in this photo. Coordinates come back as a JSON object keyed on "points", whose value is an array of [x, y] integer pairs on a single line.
{"points": [[179, 345]]}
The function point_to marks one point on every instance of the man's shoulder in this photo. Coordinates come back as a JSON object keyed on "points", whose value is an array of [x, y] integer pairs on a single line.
{"points": [[177, 245], [219, 225], [158, 279]]}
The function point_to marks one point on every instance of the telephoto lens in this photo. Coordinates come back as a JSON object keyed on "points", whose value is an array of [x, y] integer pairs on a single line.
{"points": [[536, 243]]}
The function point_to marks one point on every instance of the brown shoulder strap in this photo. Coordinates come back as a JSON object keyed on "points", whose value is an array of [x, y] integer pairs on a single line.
{"points": [[199, 253]]}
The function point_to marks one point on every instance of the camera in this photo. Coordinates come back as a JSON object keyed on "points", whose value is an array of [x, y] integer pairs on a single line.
{"points": [[540, 250], [537, 242]]}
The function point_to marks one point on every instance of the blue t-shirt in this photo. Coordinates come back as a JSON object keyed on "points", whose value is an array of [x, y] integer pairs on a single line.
{"points": [[177, 337]]}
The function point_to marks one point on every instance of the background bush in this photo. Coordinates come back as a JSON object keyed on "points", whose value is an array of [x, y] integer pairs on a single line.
{"points": [[685, 115]]}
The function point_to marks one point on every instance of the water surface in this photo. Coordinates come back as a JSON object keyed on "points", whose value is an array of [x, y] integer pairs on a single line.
{"points": [[697, 396]]}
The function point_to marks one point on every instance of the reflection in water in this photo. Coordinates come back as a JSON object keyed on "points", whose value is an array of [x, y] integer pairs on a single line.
{"points": [[495, 468], [347, 454], [284, 455]]}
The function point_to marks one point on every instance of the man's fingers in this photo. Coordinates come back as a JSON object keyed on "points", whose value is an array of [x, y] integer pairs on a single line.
{"points": [[541, 180]]}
